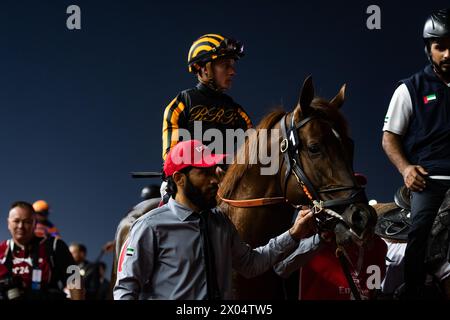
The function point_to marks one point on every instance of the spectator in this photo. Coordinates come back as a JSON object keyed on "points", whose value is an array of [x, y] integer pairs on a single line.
{"points": [[89, 271], [44, 227], [33, 267]]}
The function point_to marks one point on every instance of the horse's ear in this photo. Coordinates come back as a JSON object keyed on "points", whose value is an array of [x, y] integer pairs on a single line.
{"points": [[305, 99], [338, 100]]}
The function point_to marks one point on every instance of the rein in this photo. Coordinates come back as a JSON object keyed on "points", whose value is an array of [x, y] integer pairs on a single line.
{"points": [[348, 275], [251, 203]]}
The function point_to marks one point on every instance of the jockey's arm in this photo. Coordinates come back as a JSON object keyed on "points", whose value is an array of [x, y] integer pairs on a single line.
{"points": [[173, 121], [247, 122]]}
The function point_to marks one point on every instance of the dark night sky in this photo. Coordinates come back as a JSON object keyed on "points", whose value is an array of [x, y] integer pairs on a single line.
{"points": [[81, 109]]}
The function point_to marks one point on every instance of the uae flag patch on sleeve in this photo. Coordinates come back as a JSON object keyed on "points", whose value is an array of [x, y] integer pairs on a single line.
{"points": [[429, 98], [130, 251]]}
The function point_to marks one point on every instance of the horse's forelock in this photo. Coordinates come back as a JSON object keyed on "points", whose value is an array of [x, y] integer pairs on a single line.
{"points": [[332, 114]]}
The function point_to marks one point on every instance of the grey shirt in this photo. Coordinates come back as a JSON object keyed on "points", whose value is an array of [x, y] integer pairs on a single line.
{"points": [[306, 250], [164, 256]]}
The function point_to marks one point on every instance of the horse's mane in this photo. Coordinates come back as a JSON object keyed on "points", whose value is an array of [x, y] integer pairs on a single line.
{"points": [[236, 171], [320, 106]]}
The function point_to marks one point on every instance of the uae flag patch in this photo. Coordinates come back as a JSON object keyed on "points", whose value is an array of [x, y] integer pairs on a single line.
{"points": [[130, 251], [429, 98]]}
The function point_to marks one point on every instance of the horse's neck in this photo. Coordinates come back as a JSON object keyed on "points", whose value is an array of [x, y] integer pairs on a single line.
{"points": [[257, 225], [255, 185]]}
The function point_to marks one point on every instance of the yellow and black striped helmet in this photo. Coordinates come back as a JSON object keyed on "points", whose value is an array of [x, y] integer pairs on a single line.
{"points": [[210, 47]]}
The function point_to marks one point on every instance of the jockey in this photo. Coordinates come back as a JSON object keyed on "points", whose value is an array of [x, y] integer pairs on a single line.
{"points": [[32, 267], [44, 227], [212, 58], [206, 107]]}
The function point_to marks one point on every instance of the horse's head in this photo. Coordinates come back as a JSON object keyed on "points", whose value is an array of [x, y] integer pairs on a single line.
{"points": [[318, 156]]}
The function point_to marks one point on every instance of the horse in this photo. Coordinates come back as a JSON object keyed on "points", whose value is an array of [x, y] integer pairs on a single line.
{"points": [[314, 168], [394, 225]]}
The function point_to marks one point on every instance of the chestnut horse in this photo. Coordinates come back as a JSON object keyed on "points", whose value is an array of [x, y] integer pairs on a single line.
{"points": [[314, 168]]}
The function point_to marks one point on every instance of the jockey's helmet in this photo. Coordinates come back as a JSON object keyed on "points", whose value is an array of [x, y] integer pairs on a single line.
{"points": [[150, 192], [210, 47], [41, 207]]}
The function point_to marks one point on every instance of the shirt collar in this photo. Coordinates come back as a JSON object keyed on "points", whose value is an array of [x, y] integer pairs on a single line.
{"points": [[209, 91], [179, 210], [14, 246]]}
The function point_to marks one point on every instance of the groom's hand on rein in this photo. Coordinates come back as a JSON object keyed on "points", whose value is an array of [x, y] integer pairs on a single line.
{"points": [[304, 226]]}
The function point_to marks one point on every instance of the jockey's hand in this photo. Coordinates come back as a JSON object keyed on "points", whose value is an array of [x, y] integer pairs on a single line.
{"points": [[304, 226], [413, 176]]}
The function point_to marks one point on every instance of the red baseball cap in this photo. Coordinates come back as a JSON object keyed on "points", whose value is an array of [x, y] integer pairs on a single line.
{"points": [[191, 153]]}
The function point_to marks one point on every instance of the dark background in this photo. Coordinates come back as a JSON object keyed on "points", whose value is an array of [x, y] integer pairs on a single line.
{"points": [[81, 109]]}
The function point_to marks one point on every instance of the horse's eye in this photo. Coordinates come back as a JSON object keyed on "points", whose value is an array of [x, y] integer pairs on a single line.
{"points": [[314, 148]]}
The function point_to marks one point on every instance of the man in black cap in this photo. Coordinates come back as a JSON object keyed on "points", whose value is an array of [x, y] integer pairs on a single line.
{"points": [[417, 141]]}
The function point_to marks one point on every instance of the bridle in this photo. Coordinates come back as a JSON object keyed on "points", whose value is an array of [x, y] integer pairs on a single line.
{"points": [[289, 147]]}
